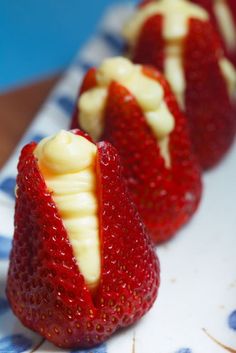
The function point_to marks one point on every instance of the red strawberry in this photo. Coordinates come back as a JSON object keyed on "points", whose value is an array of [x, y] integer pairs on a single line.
{"points": [[45, 288], [150, 35], [88, 82], [166, 197], [210, 6], [144, 3], [212, 122], [210, 112]]}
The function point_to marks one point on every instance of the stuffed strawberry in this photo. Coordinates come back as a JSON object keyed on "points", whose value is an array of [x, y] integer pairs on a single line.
{"points": [[133, 108], [223, 16], [82, 264], [178, 39]]}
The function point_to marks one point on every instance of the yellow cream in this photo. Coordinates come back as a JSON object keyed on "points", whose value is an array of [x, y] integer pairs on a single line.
{"points": [[174, 71], [176, 14], [67, 162], [226, 23], [91, 115], [148, 92], [229, 74]]}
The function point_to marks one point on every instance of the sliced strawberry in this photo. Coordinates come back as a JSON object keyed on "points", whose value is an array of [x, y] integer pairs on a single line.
{"points": [[211, 114], [89, 81], [232, 6], [166, 198], [45, 288], [150, 46], [144, 3], [130, 268], [209, 6]]}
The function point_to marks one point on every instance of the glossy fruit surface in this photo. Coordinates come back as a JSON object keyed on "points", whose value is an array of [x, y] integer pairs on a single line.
{"points": [[165, 197], [45, 287], [208, 107], [209, 6]]}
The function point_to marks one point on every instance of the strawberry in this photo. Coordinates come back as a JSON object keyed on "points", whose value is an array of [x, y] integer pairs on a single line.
{"points": [[45, 287], [208, 103], [212, 122], [211, 7], [150, 35], [166, 197], [144, 3], [88, 82]]}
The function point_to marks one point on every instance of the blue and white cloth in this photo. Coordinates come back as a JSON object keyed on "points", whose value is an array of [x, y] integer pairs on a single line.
{"points": [[196, 308]]}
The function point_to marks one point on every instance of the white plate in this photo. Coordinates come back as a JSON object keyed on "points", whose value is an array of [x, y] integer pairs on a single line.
{"points": [[196, 308]]}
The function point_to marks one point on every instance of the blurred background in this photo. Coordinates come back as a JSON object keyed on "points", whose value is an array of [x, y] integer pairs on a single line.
{"points": [[38, 40]]}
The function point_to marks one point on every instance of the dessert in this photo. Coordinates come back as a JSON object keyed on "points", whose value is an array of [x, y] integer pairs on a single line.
{"points": [[178, 38], [223, 16], [133, 107], [82, 264]]}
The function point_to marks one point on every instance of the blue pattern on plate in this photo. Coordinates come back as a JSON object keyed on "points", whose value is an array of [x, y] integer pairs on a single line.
{"points": [[66, 103], [15, 344], [99, 349], [84, 65], [184, 350], [37, 137], [5, 247], [114, 41], [4, 306], [232, 320], [8, 186]]}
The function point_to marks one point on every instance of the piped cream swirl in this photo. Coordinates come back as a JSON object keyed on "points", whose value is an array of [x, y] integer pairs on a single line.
{"points": [[67, 162], [147, 91]]}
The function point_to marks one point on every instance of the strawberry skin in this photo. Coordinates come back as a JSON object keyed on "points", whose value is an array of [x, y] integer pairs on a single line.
{"points": [[88, 82], [209, 6], [212, 122], [45, 287], [166, 198], [150, 46], [232, 6], [144, 3], [210, 113]]}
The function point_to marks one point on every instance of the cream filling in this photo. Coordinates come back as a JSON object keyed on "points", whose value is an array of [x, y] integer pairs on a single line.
{"points": [[67, 162], [91, 106], [175, 13], [174, 70], [229, 74], [226, 23], [176, 16], [148, 93]]}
